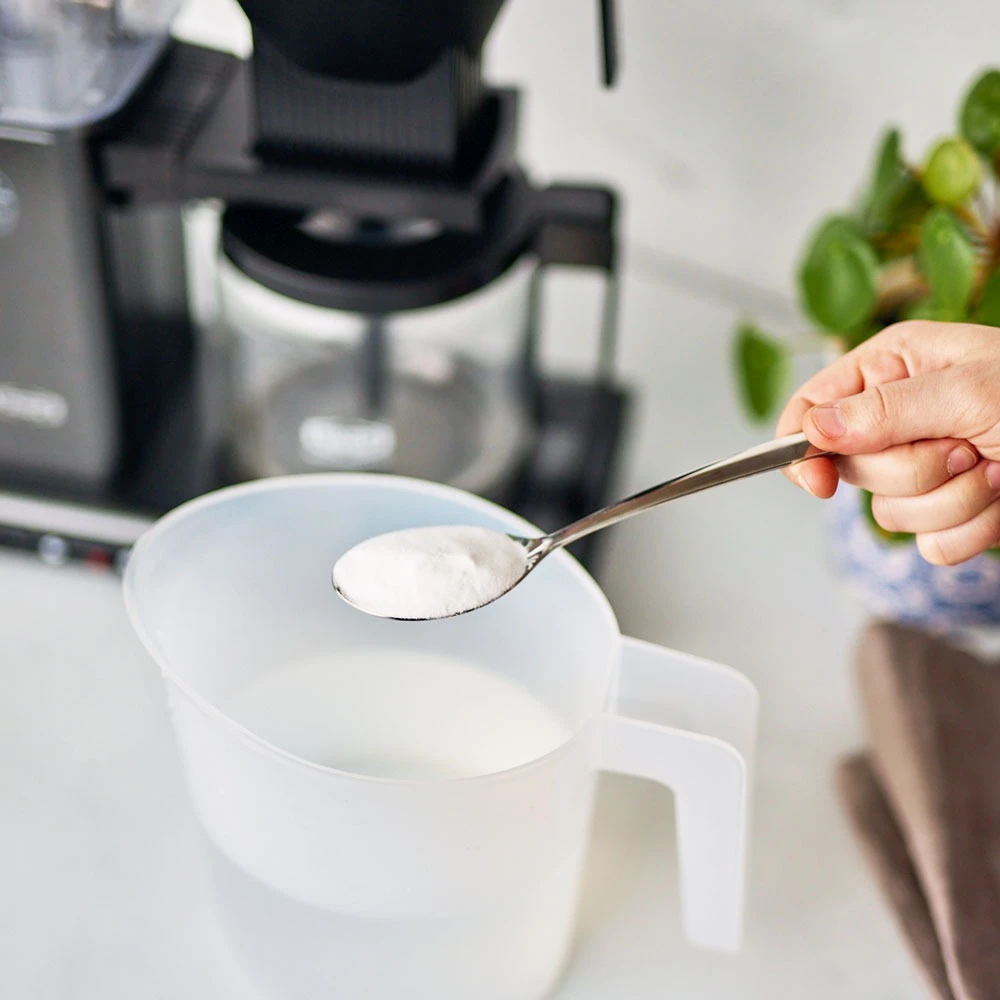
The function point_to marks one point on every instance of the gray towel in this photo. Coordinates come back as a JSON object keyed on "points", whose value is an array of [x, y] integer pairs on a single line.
{"points": [[925, 802]]}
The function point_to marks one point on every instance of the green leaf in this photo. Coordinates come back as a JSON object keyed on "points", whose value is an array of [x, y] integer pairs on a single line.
{"points": [[923, 309], [838, 277], [888, 182], [859, 335], [979, 119], [893, 537], [888, 174], [895, 202], [947, 260], [953, 172], [929, 309], [988, 309], [762, 370]]}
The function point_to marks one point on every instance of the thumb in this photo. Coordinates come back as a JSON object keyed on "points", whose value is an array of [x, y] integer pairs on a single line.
{"points": [[891, 413]]}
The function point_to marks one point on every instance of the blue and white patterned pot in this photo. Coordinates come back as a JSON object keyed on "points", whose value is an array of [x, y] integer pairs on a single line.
{"points": [[896, 583]]}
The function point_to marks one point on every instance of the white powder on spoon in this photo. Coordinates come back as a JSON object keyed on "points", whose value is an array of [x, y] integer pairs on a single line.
{"points": [[429, 572]]}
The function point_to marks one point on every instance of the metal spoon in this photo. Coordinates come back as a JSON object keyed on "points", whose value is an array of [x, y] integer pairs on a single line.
{"points": [[763, 458]]}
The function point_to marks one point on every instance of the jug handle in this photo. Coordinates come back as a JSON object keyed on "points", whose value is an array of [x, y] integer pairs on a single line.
{"points": [[691, 725]]}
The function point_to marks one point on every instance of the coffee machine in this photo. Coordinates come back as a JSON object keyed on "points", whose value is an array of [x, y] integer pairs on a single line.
{"points": [[381, 257]]}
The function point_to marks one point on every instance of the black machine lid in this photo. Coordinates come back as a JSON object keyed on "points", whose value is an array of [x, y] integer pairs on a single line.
{"points": [[379, 41], [389, 272], [389, 40]]}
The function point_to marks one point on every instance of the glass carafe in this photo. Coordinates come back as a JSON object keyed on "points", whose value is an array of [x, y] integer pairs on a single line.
{"points": [[436, 393]]}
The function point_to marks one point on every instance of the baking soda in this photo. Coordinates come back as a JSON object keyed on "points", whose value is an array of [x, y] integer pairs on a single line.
{"points": [[431, 572]]}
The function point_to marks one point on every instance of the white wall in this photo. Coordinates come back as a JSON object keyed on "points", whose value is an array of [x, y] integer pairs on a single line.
{"points": [[738, 121]]}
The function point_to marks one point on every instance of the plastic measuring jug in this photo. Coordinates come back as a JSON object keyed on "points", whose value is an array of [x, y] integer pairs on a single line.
{"points": [[401, 810]]}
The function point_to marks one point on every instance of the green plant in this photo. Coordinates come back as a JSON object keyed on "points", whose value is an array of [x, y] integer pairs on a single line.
{"points": [[922, 242]]}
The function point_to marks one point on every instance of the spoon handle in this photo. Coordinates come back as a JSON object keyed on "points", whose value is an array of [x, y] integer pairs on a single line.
{"points": [[763, 458]]}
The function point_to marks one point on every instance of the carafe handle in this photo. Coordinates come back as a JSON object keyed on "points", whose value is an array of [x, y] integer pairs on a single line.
{"points": [[578, 228], [691, 725]]}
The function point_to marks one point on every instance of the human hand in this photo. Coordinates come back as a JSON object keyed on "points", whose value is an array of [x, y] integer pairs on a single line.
{"points": [[914, 414]]}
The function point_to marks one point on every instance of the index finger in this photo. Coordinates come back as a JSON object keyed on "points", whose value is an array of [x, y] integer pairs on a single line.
{"points": [[877, 360], [869, 364], [914, 347]]}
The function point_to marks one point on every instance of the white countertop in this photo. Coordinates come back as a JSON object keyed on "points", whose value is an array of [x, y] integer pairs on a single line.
{"points": [[102, 887]]}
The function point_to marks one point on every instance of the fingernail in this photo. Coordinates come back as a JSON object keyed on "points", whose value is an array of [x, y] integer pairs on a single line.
{"points": [[993, 475], [829, 420], [801, 482], [961, 459]]}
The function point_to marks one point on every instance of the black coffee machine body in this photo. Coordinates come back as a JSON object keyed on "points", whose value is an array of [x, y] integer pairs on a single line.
{"points": [[93, 312], [368, 188]]}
